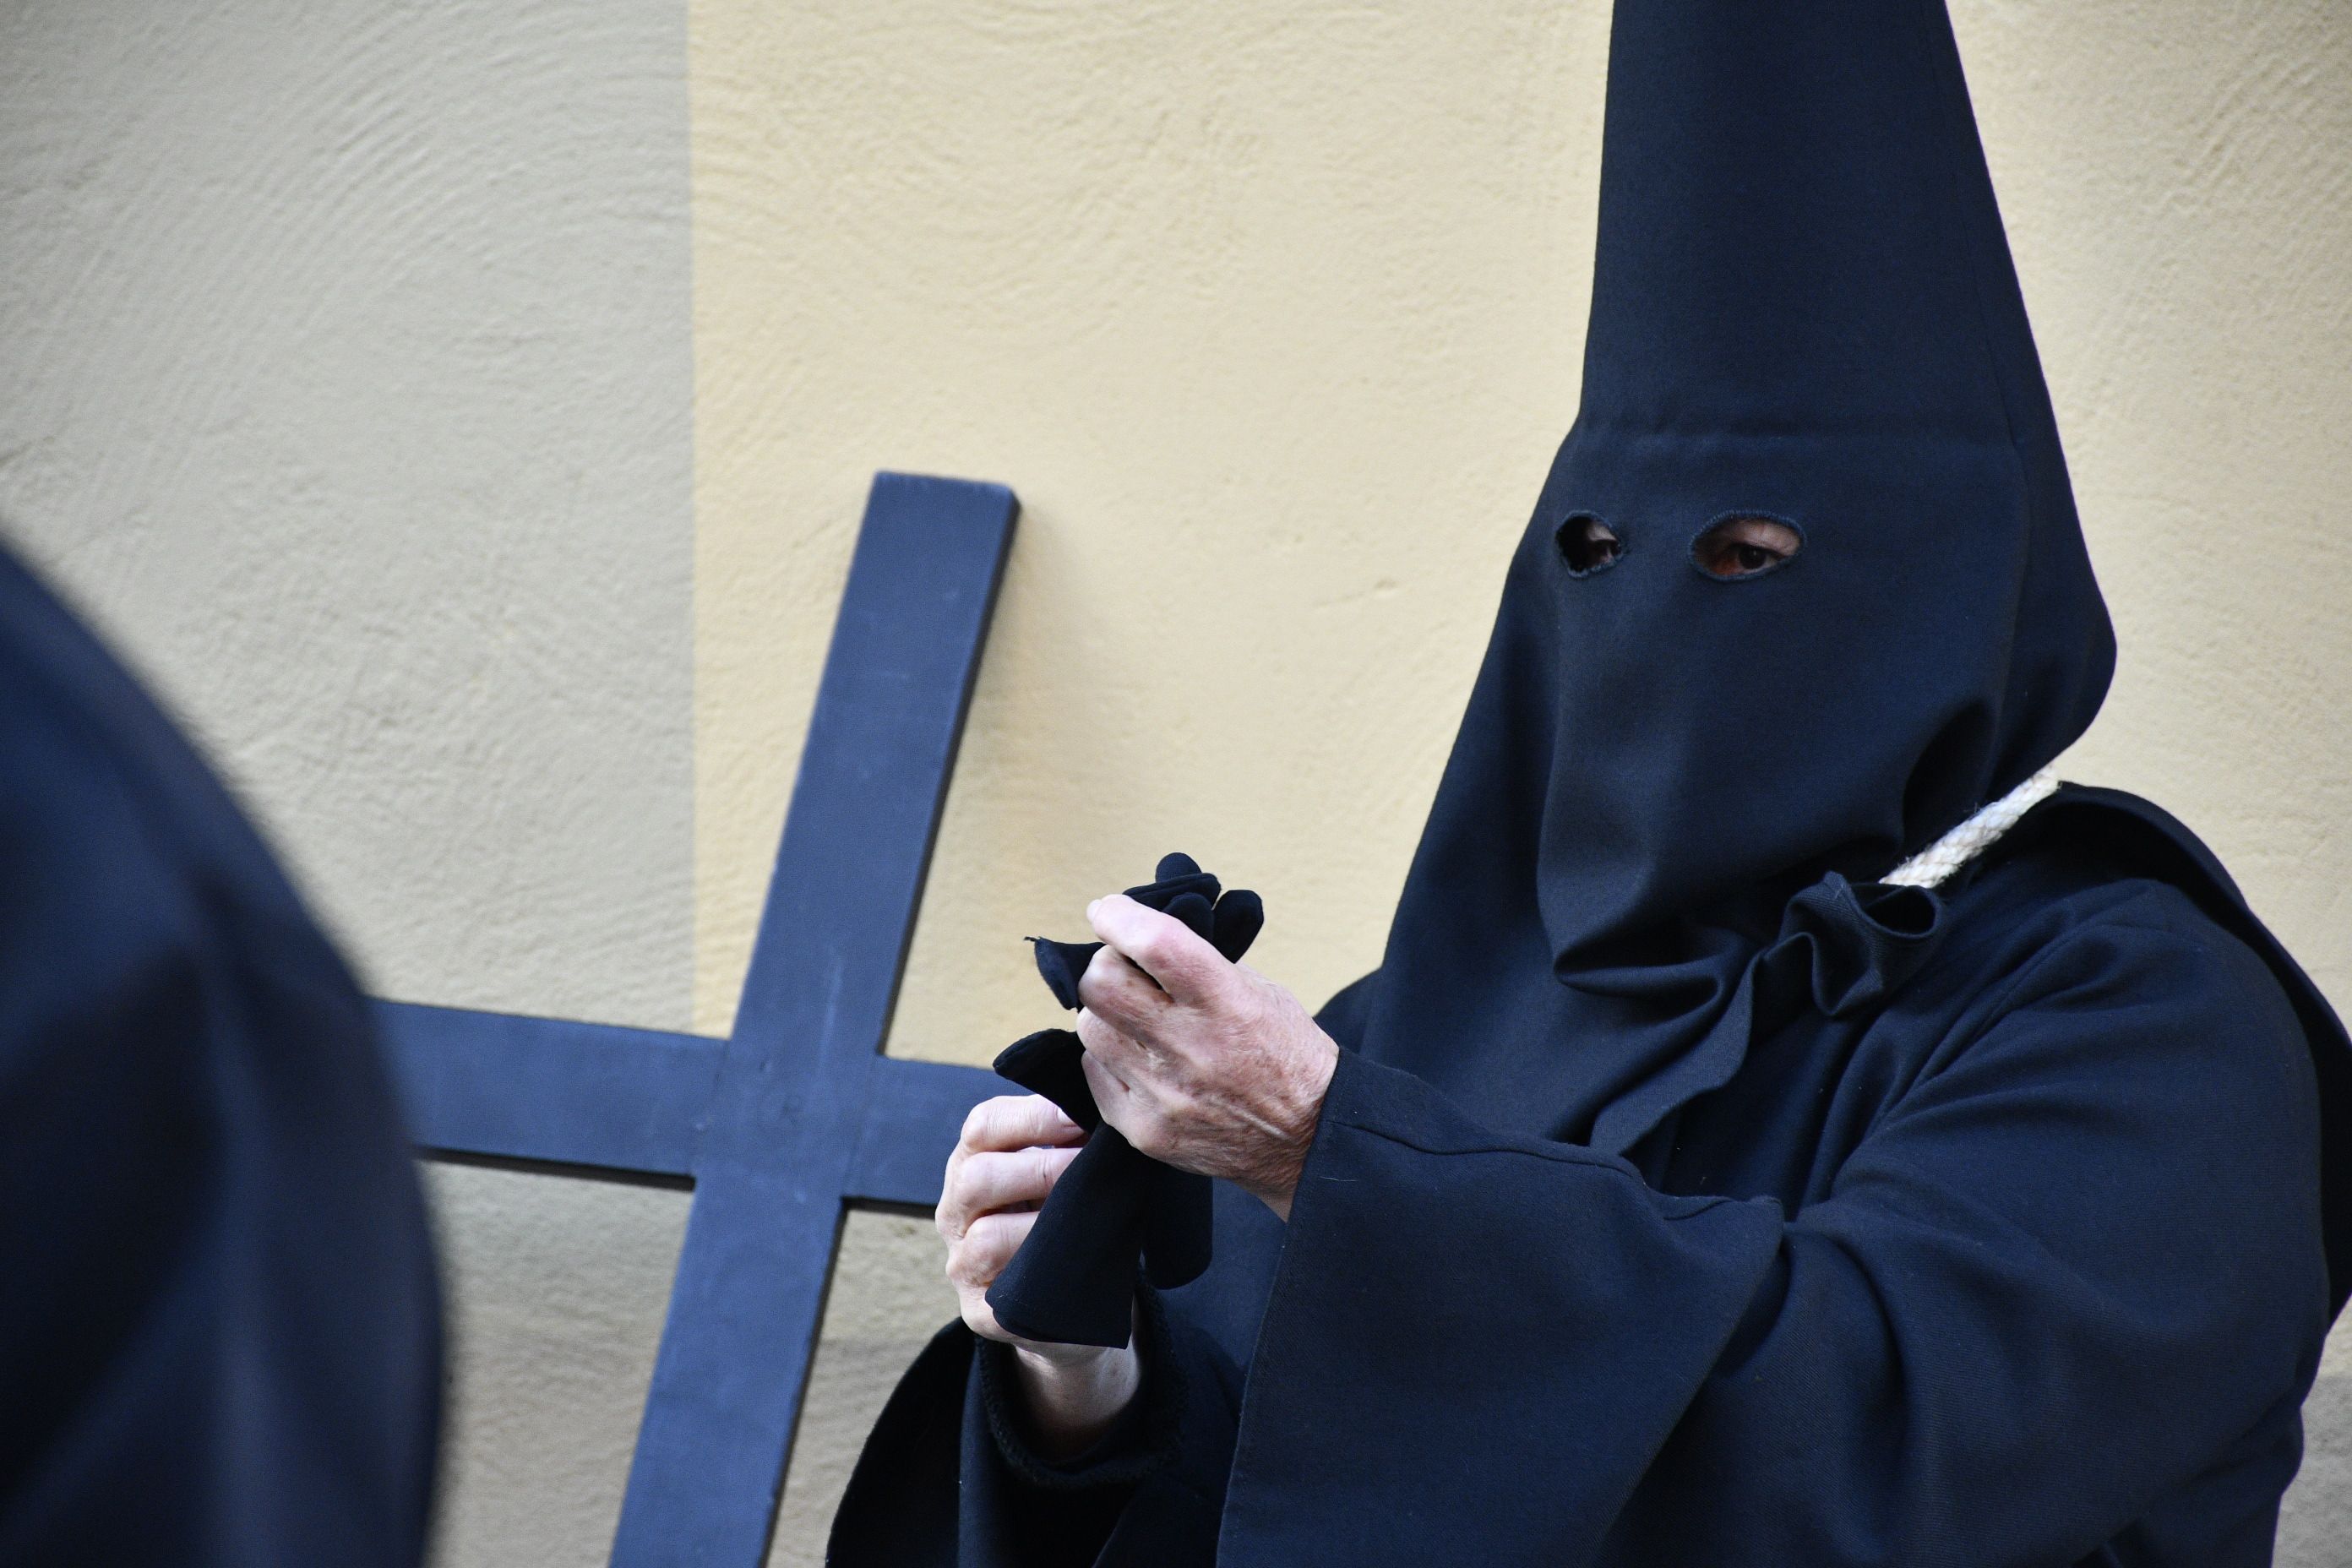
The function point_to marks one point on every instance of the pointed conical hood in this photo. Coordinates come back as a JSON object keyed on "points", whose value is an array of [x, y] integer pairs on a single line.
{"points": [[1798, 233], [1804, 311], [1803, 308]]}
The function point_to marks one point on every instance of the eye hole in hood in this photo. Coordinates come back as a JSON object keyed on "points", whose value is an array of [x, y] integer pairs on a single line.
{"points": [[1588, 545], [1744, 544]]}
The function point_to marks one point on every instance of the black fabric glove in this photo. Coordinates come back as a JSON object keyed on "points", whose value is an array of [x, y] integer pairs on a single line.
{"points": [[1073, 1281]]}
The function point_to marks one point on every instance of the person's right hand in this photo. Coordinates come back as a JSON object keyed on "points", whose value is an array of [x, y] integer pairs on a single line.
{"points": [[1013, 1150]]}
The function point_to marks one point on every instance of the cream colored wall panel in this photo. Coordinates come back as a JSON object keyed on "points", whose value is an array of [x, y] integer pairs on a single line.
{"points": [[1271, 314], [350, 389], [2178, 183], [349, 384]]}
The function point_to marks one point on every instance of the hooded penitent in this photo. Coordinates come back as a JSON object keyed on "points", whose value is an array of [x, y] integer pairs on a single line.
{"points": [[1696, 1188], [220, 1337], [1802, 310]]}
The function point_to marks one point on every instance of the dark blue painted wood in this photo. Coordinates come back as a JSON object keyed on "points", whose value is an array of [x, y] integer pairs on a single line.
{"points": [[547, 1088], [628, 1100], [796, 1113], [816, 1000], [913, 1112]]}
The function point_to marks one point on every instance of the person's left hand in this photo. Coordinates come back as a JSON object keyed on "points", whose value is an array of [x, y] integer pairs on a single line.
{"points": [[1214, 1068]]}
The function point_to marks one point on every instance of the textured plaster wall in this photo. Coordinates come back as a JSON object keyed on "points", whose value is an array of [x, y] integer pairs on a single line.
{"points": [[1272, 313], [349, 384], [2178, 185]]}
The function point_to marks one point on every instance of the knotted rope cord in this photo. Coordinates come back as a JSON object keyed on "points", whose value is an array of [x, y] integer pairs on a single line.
{"points": [[1963, 844]]}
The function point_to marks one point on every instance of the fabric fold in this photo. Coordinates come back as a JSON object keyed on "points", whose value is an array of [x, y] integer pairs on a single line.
{"points": [[1529, 1352], [1841, 950], [1527, 1300]]}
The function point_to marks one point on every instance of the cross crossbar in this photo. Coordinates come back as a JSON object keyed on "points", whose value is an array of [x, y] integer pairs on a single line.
{"points": [[796, 1113]]}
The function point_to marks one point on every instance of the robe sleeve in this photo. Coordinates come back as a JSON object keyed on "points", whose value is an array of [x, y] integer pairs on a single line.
{"points": [[2075, 1263], [948, 1477]]}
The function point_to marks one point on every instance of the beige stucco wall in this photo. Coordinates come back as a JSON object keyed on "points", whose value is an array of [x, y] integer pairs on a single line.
{"points": [[349, 384], [350, 387]]}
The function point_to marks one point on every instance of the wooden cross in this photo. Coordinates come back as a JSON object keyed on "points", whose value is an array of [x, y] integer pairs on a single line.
{"points": [[797, 1114]]}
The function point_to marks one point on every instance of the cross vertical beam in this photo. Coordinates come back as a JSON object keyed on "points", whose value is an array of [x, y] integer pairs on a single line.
{"points": [[817, 1001]]}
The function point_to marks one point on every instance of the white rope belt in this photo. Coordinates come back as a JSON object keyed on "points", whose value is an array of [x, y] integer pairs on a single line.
{"points": [[1963, 844]]}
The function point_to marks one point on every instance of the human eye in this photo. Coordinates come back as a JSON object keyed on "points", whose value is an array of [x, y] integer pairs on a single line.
{"points": [[1745, 545], [1588, 545]]}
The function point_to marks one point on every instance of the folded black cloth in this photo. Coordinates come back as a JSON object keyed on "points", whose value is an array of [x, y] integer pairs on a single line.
{"points": [[1073, 1281]]}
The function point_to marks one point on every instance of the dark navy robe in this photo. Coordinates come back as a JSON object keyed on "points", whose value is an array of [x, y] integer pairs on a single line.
{"points": [[2020, 1264], [219, 1329]]}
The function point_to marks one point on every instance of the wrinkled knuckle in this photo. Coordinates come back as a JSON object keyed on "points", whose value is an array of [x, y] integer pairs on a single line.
{"points": [[995, 1239], [1154, 948]]}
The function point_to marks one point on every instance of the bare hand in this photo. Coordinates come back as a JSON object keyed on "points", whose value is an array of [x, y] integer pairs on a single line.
{"points": [[1014, 1149], [1205, 1065]]}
